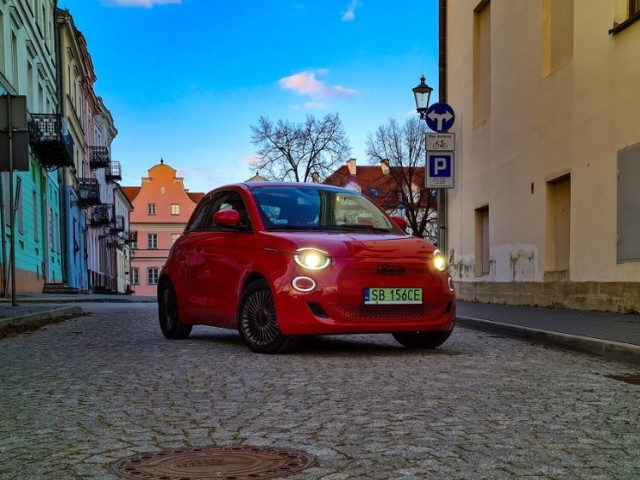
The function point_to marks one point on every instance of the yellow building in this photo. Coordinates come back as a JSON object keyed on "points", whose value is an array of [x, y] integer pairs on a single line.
{"points": [[546, 204]]}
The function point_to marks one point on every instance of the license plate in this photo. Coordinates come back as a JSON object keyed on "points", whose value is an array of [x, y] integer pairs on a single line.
{"points": [[390, 296]]}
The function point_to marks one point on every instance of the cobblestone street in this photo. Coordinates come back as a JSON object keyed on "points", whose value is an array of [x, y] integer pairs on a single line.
{"points": [[80, 395]]}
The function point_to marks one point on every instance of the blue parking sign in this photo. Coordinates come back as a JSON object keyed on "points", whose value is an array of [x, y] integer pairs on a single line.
{"points": [[439, 170]]}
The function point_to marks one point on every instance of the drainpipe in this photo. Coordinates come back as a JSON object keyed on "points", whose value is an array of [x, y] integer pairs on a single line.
{"points": [[62, 177], [443, 243]]}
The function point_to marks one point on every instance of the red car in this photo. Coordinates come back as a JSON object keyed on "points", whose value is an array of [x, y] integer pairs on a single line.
{"points": [[281, 260]]}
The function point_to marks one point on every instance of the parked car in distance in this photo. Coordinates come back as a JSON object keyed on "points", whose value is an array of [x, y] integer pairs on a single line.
{"points": [[278, 260]]}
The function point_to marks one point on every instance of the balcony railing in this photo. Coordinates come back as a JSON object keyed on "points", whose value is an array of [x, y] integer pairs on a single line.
{"points": [[102, 215], [118, 224], [50, 140], [88, 192], [99, 157], [131, 237], [113, 173]]}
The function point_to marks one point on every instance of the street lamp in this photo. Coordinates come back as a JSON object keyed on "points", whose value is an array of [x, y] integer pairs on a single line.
{"points": [[422, 94]]}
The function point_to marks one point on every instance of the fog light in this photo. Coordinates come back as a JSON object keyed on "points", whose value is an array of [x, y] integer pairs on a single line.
{"points": [[303, 284]]}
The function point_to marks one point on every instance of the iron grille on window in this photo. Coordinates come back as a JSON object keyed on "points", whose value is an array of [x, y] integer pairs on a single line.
{"points": [[113, 173], [88, 192], [99, 157], [102, 215], [118, 224], [132, 236], [50, 140]]}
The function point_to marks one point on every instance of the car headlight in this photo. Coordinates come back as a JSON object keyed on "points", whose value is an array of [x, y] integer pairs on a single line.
{"points": [[312, 258], [439, 261]]}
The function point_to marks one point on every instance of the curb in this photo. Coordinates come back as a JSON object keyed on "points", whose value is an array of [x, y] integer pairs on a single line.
{"points": [[616, 351], [43, 315]]}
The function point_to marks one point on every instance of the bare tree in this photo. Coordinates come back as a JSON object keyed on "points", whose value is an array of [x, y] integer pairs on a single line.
{"points": [[294, 152], [403, 147]]}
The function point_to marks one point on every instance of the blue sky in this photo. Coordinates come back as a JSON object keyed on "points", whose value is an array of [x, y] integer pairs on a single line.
{"points": [[186, 79]]}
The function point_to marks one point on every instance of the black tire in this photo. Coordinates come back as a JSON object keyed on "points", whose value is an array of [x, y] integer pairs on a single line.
{"points": [[258, 320], [425, 340], [168, 314]]}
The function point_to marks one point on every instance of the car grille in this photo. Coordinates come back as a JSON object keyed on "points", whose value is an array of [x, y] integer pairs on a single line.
{"points": [[389, 312]]}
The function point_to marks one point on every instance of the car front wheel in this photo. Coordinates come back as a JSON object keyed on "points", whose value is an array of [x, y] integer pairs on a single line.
{"points": [[168, 314], [258, 320], [421, 339]]}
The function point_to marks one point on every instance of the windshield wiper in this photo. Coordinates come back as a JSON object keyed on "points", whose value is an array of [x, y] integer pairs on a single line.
{"points": [[293, 227], [360, 228]]}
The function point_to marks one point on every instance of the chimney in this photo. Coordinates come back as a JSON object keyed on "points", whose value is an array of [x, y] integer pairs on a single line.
{"points": [[384, 165], [351, 165]]}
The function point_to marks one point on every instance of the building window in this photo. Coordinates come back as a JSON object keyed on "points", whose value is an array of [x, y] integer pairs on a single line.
{"points": [[135, 276], [151, 208], [482, 63], [626, 14], [628, 248], [558, 228], [152, 241], [482, 252], [175, 209], [557, 30], [152, 275], [174, 237]]}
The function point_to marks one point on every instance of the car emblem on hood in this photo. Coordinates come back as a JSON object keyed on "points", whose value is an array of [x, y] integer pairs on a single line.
{"points": [[391, 269]]}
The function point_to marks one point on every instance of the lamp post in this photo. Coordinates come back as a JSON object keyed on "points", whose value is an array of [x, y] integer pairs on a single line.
{"points": [[422, 95]]}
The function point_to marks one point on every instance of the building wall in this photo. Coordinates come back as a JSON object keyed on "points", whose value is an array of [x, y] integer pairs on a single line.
{"points": [[72, 73], [162, 189], [546, 98], [27, 68]]}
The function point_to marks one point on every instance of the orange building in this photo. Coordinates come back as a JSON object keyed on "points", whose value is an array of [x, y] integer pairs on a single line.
{"points": [[161, 209]]}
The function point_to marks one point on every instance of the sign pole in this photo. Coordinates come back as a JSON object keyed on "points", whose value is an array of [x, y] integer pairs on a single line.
{"points": [[12, 206]]}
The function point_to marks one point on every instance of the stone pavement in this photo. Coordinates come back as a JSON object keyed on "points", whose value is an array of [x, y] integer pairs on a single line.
{"points": [[614, 336], [83, 394]]}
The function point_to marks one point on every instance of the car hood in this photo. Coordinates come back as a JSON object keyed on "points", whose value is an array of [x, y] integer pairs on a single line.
{"points": [[344, 245]]}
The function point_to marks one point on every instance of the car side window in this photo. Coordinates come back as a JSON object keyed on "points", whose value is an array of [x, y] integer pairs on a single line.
{"points": [[201, 216]]}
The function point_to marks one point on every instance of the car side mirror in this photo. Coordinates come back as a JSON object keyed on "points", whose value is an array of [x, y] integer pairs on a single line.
{"points": [[401, 222], [228, 218]]}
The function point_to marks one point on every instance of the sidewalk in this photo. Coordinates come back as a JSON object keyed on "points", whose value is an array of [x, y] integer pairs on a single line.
{"points": [[614, 336], [35, 308], [611, 335]]}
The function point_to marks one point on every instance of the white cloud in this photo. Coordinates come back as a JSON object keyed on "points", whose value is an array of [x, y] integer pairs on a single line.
{"points": [[138, 3], [350, 14], [305, 83]]}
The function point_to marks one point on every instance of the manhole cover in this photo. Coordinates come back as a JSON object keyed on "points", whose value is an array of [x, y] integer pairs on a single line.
{"points": [[632, 379], [208, 463]]}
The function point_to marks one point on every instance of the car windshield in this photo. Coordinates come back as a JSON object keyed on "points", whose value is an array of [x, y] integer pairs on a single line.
{"points": [[297, 208]]}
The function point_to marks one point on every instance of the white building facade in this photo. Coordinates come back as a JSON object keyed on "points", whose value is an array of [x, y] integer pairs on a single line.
{"points": [[546, 208]]}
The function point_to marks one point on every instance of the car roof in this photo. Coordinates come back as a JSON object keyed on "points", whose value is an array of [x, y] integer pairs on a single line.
{"points": [[267, 184]]}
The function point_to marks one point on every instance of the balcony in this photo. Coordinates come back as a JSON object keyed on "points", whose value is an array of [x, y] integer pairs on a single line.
{"points": [[118, 224], [131, 237], [88, 192], [113, 173], [99, 157], [50, 140], [101, 215]]}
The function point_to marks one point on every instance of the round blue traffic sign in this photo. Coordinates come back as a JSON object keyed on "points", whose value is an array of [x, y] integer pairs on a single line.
{"points": [[440, 117]]}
